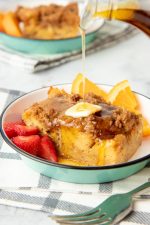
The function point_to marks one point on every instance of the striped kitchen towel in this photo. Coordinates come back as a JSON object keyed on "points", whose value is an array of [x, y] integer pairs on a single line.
{"points": [[109, 35], [22, 187]]}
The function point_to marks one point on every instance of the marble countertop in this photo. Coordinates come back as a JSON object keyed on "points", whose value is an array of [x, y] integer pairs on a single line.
{"points": [[128, 60]]}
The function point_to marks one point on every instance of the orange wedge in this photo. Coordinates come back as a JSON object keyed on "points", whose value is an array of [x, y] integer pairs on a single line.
{"points": [[76, 84], [146, 127], [1, 19], [121, 95], [82, 83], [146, 124], [11, 24]]}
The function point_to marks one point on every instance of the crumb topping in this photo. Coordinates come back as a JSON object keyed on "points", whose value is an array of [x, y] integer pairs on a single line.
{"points": [[105, 124], [49, 21]]}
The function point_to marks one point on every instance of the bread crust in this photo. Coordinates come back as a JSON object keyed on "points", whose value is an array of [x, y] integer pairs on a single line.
{"points": [[108, 137]]}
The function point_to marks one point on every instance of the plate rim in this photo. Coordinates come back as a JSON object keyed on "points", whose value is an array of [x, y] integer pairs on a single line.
{"points": [[37, 159], [56, 40]]}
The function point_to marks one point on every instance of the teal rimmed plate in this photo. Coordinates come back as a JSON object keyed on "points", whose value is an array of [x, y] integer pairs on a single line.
{"points": [[38, 46], [75, 174]]}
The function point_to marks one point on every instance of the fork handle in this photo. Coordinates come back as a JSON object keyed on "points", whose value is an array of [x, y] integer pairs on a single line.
{"points": [[140, 188]]}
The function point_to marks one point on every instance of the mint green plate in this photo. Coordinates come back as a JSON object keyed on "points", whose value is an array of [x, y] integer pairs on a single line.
{"points": [[37, 46], [75, 174]]}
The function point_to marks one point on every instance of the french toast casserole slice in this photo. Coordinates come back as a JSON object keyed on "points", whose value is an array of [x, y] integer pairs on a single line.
{"points": [[110, 136], [49, 21]]}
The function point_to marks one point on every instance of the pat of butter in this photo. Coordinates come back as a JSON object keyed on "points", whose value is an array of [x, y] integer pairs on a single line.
{"points": [[82, 109]]}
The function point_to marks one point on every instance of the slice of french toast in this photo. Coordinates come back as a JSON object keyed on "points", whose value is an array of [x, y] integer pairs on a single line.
{"points": [[107, 137]]}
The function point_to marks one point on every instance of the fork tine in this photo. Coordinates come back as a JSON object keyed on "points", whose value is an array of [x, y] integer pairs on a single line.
{"points": [[78, 223], [80, 219], [94, 222], [102, 219], [80, 215]]}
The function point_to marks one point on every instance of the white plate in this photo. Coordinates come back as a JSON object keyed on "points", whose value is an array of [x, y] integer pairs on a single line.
{"points": [[14, 112]]}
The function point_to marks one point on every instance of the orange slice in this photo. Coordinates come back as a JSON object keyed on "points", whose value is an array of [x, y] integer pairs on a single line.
{"points": [[146, 127], [121, 95], [146, 124], [1, 19], [76, 84], [11, 24], [82, 83]]}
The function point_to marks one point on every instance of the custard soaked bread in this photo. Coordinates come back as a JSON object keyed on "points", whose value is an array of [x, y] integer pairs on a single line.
{"points": [[109, 136], [49, 21]]}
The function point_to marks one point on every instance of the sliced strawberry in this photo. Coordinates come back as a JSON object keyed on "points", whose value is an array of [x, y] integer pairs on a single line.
{"points": [[23, 130], [9, 128], [47, 149], [29, 144]]}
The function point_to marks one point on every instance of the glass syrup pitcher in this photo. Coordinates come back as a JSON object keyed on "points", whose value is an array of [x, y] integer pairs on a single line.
{"points": [[135, 12]]}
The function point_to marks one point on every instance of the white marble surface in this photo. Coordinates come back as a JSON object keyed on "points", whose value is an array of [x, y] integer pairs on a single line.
{"points": [[128, 60]]}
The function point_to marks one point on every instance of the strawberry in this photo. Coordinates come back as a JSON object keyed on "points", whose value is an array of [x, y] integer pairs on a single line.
{"points": [[23, 130], [47, 149], [9, 128], [29, 144]]}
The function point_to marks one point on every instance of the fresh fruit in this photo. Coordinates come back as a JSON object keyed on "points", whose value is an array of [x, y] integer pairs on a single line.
{"points": [[1, 19], [29, 144], [11, 24], [53, 91], [146, 127], [81, 84], [82, 109], [121, 95], [23, 130], [9, 128], [47, 149], [75, 89]]}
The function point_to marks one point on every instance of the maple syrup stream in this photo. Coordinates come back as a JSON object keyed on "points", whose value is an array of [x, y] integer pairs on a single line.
{"points": [[83, 59]]}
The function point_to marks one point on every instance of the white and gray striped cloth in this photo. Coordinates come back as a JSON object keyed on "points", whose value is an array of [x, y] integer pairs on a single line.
{"points": [[22, 187], [109, 35]]}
